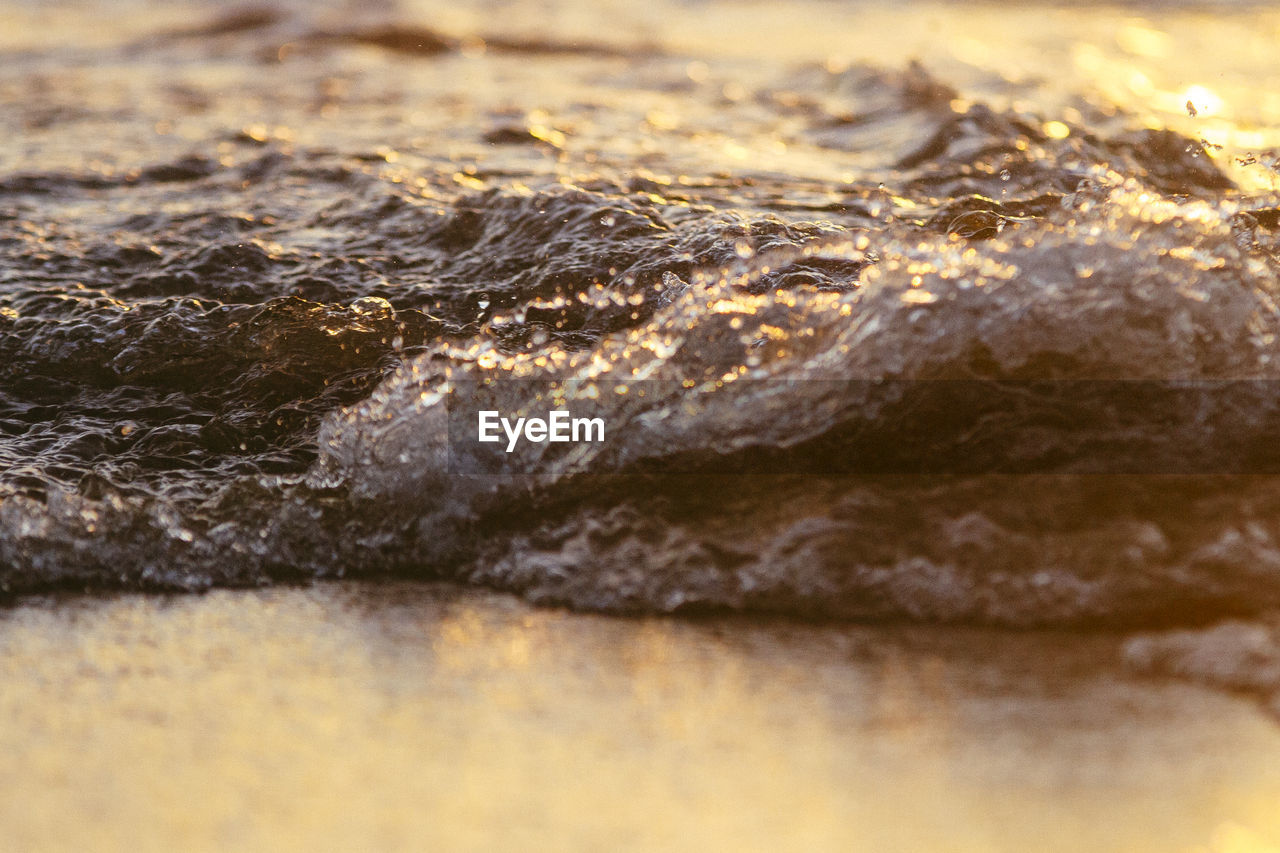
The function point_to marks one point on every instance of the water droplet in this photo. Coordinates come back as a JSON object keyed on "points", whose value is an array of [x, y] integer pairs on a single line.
{"points": [[372, 306]]}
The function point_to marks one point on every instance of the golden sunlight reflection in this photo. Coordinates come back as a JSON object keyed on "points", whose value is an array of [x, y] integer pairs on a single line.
{"points": [[1203, 100], [408, 716]]}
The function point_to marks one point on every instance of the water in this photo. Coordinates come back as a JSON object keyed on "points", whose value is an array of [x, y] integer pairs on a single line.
{"points": [[249, 258]]}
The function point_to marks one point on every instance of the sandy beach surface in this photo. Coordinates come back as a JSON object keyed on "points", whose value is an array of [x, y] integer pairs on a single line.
{"points": [[406, 716]]}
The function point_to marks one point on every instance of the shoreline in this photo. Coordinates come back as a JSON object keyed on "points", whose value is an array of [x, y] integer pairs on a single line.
{"points": [[396, 714]]}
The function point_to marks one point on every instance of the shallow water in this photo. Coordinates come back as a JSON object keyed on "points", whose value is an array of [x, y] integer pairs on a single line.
{"points": [[843, 260], [399, 716]]}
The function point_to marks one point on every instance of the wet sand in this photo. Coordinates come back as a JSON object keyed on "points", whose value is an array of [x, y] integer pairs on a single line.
{"points": [[408, 717]]}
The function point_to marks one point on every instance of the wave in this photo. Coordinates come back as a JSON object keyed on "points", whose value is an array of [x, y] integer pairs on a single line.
{"points": [[958, 360]]}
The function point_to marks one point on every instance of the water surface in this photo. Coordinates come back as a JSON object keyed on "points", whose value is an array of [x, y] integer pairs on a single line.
{"points": [[944, 314]]}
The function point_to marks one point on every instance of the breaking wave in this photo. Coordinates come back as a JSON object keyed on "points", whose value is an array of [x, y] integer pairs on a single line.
{"points": [[244, 361]]}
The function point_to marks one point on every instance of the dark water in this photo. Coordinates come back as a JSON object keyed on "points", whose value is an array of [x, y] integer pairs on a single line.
{"points": [[246, 256]]}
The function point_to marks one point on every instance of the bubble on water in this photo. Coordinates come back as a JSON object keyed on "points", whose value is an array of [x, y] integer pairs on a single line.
{"points": [[372, 306]]}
